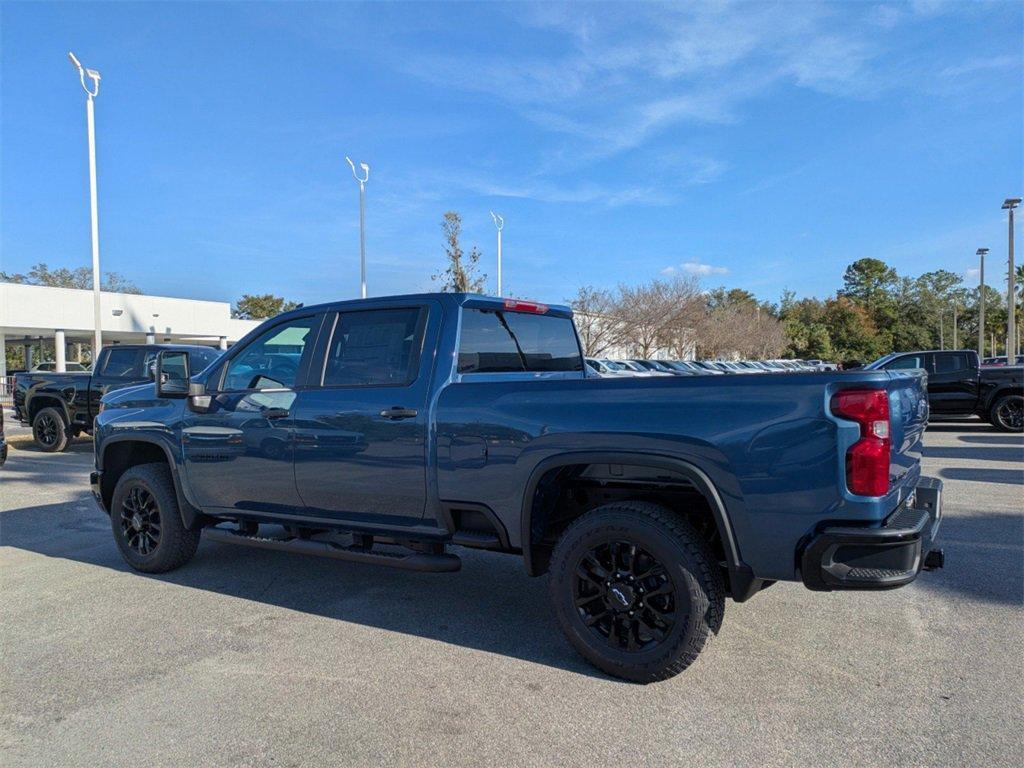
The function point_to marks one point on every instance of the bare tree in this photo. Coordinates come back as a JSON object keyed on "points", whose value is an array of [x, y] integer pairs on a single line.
{"points": [[657, 314], [595, 312], [460, 276]]}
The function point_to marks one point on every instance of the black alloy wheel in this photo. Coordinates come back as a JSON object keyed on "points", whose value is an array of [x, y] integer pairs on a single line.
{"points": [[140, 520], [48, 430], [625, 596], [1008, 413]]}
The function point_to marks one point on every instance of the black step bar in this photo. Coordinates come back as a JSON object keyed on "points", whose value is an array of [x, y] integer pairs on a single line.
{"points": [[434, 562]]}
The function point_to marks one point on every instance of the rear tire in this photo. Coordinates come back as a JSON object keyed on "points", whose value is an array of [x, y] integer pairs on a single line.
{"points": [[1007, 413], [49, 430], [636, 590], [146, 521]]}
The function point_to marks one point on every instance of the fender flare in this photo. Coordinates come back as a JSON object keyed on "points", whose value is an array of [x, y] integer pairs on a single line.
{"points": [[1009, 388], [190, 515], [47, 398], [694, 474]]}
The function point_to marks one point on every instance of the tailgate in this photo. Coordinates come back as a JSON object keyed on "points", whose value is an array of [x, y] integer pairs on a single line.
{"points": [[908, 409]]}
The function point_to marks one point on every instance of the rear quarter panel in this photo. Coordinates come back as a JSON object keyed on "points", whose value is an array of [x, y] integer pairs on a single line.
{"points": [[767, 442]]}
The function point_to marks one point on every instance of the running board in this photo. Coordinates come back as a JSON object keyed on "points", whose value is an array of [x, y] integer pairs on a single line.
{"points": [[440, 562]]}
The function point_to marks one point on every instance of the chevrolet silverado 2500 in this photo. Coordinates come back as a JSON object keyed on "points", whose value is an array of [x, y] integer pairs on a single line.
{"points": [[391, 430]]}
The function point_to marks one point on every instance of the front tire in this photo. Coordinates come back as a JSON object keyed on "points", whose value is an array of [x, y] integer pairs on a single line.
{"points": [[146, 521], [636, 590], [49, 431], [1008, 413]]}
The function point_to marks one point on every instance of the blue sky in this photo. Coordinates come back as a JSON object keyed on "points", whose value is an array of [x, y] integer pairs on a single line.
{"points": [[760, 145]]}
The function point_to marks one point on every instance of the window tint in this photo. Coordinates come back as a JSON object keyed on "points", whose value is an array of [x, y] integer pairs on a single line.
{"points": [[502, 342], [271, 360], [950, 363], [909, 361], [373, 348], [120, 362]]}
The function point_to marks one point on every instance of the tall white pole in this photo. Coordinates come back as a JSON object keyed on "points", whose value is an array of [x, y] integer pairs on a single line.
{"points": [[499, 223], [1011, 298], [981, 304], [97, 334], [362, 221], [91, 93], [362, 239]]}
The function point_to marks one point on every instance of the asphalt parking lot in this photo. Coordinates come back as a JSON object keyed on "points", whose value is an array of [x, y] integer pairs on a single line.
{"points": [[249, 658]]}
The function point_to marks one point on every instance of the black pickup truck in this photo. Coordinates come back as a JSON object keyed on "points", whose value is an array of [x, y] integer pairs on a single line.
{"points": [[60, 406], [959, 386]]}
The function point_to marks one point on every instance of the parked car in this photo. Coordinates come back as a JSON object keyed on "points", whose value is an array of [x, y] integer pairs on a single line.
{"points": [[647, 500], [50, 366], [602, 368], [957, 385], [60, 406], [638, 370], [655, 366], [689, 365]]}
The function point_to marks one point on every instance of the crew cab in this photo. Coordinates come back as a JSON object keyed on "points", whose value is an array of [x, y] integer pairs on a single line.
{"points": [[959, 386], [61, 406], [392, 430]]}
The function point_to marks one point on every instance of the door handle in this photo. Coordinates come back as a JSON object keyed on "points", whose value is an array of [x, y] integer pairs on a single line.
{"points": [[275, 413], [398, 412]]}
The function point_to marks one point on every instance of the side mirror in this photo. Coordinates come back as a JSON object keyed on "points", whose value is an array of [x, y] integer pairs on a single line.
{"points": [[172, 374], [198, 400]]}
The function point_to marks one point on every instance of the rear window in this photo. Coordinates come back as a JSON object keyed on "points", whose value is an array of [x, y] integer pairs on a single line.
{"points": [[515, 342]]}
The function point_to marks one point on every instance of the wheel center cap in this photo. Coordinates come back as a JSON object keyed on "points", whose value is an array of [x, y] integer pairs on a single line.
{"points": [[136, 522], [620, 596]]}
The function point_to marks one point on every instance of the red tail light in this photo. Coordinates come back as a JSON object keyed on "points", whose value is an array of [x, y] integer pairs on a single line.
{"points": [[515, 305], [867, 460]]}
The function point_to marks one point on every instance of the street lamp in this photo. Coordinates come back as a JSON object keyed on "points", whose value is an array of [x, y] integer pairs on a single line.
{"points": [[981, 303], [499, 223], [362, 221], [91, 93], [1011, 300]]}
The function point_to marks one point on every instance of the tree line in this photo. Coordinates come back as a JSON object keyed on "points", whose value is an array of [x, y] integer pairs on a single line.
{"points": [[876, 311]]}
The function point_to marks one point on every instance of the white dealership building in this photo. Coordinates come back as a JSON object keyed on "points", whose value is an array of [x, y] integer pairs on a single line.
{"points": [[63, 317]]}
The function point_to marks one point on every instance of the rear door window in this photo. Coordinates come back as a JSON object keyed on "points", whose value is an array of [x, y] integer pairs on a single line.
{"points": [[378, 347], [121, 362], [951, 363], [493, 341]]}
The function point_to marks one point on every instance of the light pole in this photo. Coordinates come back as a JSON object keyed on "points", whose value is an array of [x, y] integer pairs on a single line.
{"points": [[91, 93], [956, 344], [981, 304], [362, 221], [1011, 299], [499, 223]]}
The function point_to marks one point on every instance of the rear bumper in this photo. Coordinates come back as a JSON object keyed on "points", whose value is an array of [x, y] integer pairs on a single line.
{"points": [[878, 558]]}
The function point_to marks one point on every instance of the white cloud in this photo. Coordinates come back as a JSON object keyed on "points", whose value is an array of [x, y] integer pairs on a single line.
{"points": [[695, 268]]}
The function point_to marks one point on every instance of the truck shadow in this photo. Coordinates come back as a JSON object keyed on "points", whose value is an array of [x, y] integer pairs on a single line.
{"points": [[975, 452], [984, 475], [490, 605], [984, 557], [996, 438]]}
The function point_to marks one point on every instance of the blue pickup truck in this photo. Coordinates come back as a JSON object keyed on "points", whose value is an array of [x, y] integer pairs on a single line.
{"points": [[391, 430]]}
